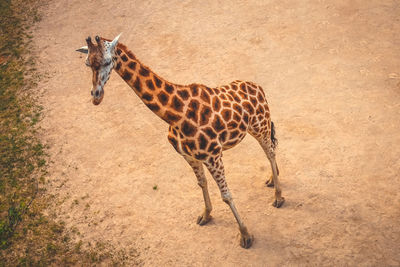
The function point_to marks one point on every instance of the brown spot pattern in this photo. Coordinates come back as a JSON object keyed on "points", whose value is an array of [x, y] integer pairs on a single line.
{"points": [[169, 88], [205, 96], [251, 90], [218, 124], [238, 108], [232, 125], [222, 136], [188, 129], [210, 132], [216, 104], [147, 97], [242, 95], [242, 127], [226, 104], [231, 143], [236, 117], [209, 90], [150, 84], [217, 150], [137, 84], [226, 114], [127, 75], [247, 106], [153, 106], [194, 90], [157, 81], [132, 65], [201, 156], [191, 144], [163, 97], [171, 117], [205, 115], [173, 142], [235, 96], [260, 97], [234, 134], [177, 104], [184, 94], [131, 55], [192, 111], [260, 110], [212, 146], [143, 71], [203, 142], [253, 101]]}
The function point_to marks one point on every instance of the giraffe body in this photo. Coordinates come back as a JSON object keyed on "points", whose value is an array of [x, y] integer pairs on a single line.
{"points": [[203, 121]]}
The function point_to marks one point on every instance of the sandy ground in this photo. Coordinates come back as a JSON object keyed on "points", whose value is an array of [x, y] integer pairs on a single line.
{"points": [[331, 71]]}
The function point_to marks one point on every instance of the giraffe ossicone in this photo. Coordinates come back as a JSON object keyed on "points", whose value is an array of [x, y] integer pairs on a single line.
{"points": [[203, 121]]}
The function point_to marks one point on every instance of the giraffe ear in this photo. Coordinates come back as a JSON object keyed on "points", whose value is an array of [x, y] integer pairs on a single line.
{"points": [[115, 41], [83, 49]]}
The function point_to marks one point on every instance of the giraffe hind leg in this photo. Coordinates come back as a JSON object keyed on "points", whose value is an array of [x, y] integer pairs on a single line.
{"points": [[274, 143], [269, 149], [270, 181]]}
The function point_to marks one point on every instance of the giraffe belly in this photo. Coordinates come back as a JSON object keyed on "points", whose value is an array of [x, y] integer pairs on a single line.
{"points": [[233, 138], [194, 147]]}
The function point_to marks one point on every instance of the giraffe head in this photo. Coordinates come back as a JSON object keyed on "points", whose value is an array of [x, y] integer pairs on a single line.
{"points": [[101, 59]]}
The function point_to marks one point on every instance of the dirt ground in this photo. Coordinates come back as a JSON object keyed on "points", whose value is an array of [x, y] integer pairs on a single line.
{"points": [[331, 71]]}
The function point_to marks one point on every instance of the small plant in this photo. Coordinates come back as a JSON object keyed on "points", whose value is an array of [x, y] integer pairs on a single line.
{"points": [[155, 187]]}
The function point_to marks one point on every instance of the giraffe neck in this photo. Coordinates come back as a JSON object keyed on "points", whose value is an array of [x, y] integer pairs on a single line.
{"points": [[155, 92]]}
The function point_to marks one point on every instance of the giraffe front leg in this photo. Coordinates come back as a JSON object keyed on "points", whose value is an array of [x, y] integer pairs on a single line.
{"points": [[197, 167], [217, 171], [246, 239]]}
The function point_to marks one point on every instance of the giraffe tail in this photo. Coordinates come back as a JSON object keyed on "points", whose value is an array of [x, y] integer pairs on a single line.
{"points": [[273, 138]]}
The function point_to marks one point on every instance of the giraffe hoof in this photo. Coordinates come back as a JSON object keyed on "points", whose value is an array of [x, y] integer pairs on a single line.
{"points": [[246, 241], [202, 219], [270, 182], [278, 202]]}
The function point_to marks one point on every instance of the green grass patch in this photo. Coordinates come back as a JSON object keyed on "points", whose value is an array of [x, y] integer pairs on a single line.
{"points": [[22, 157], [28, 237]]}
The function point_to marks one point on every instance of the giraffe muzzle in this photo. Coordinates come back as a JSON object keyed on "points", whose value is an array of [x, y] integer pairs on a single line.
{"points": [[97, 96]]}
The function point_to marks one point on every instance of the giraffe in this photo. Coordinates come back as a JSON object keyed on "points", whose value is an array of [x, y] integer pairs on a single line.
{"points": [[203, 121]]}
